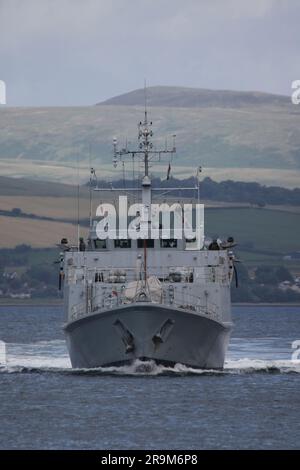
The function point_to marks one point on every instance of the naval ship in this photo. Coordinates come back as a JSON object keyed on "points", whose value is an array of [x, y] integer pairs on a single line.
{"points": [[159, 299]]}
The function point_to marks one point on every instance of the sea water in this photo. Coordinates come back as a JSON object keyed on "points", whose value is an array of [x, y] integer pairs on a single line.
{"points": [[254, 403]]}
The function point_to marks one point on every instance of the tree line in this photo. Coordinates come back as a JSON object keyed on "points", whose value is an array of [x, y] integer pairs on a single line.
{"points": [[225, 191]]}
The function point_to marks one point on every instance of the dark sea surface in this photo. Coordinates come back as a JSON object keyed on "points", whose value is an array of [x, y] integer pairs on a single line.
{"points": [[253, 404]]}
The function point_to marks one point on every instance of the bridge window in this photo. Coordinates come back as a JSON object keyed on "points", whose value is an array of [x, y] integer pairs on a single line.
{"points": [[100, 244], [123, 243], [171, 243], [149, 243]]}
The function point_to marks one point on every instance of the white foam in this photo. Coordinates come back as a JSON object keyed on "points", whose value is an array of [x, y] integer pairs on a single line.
{"points": [[52, 356], [260, 365], [43, 355], [2, 353]]}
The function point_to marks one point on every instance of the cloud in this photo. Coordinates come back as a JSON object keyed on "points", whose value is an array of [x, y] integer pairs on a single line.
{"points": [[48, 48]]}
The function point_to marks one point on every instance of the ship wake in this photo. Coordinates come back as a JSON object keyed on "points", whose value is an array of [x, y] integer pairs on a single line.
{"points": [[52, 357]]}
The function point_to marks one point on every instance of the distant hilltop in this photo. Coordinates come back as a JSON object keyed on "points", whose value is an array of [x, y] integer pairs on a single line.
{"points": [[181, 97]]}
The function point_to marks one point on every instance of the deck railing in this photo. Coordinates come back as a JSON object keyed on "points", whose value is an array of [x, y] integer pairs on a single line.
{"points": [[174, 274], [109, 300]]}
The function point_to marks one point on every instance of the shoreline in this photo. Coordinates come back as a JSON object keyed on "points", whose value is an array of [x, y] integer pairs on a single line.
{"points": [[266, 304], [31, 303], [59, 303]]}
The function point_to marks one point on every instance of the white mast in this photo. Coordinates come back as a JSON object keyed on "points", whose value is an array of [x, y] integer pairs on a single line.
{"points": [[145, 152]]}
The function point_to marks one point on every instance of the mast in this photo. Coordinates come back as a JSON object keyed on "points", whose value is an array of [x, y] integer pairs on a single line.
{"points": [[146, 154], [144, 134], [145, 144], [92, 179]]}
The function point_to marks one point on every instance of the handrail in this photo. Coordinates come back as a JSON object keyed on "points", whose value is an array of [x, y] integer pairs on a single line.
{"points": [[101, 303], [128, 274]]}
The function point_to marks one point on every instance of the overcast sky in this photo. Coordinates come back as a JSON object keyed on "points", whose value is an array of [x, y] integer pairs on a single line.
{"points": [[77, 52]]}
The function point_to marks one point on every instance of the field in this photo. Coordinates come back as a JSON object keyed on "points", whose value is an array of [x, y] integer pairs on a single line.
{"points": [[58, 208], [37, 233], [269, 234], [66, 207], [243, 136], [266, 230], [265, 235]]}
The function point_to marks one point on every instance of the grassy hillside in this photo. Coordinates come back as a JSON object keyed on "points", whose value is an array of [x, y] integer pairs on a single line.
{"points": [[25, 187], [264, 236], [222, 130], [273, 231], [37, 233]]}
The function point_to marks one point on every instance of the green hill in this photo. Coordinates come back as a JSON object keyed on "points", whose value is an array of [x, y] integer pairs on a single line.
{"points": [[219, 129], [25, 187]]}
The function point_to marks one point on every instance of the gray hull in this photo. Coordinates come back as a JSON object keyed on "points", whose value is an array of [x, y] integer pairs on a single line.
{"points": [[147, 332]]}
